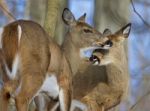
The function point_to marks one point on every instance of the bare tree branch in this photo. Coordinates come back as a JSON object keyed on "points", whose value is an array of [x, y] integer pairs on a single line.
{"points": [[141, 99], [6, 11], [136, 12]]}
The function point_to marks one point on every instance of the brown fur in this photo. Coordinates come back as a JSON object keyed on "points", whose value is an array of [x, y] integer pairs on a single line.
{"points": [[39, 55], [110, 94], [100, 96], [32, 52], [10, 35], [107, 95], [104, 96], [75, 39]]}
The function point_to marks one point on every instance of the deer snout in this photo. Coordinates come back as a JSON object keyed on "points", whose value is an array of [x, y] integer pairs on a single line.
{"points": [[99, 44]]}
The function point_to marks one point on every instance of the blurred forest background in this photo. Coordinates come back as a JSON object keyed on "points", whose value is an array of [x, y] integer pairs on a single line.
{"points": [[112, 14]]}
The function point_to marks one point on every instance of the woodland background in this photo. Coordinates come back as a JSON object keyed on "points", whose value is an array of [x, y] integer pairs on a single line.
{"points": [[101, 14]]}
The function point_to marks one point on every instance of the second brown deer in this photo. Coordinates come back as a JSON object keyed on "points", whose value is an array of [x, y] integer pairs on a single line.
{"points": [[107, 95]]}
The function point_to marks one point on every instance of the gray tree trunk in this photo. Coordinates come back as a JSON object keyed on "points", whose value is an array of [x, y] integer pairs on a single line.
{"points": [[51, 16], [60, 29], [35, 10]]}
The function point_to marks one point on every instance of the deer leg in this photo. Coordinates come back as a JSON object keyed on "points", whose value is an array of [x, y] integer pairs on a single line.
{"points": [[30, 86], [42, 101], [65, 99], [4, 100], [101, 98], [78, 106], [65, 94]]}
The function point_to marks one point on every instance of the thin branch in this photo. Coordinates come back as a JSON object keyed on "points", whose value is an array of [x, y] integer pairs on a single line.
{"points": [[136, 12], [141, 99], [6, 11]]}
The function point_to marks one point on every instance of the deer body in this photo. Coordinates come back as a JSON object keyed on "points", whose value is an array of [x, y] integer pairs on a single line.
{"points": [[32, 60], [107, 95]]}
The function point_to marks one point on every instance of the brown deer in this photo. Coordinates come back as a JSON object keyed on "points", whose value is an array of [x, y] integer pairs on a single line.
{"points": [[39, 65], [107, 95], [103, 43]]}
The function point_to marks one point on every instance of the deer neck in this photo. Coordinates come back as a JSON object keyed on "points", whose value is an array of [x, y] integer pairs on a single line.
{"points": [[56, 56], [117, 71], [72, 54]]}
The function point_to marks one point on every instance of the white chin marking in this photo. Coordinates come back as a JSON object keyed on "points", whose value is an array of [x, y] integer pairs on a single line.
{"points": [[96, 63]]}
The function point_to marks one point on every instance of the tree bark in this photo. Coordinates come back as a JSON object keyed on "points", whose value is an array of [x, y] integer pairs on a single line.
{"points": [[35, 10], [60, 27], [51, 16]]}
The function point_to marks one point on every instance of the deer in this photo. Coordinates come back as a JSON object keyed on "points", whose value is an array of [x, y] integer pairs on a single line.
{"points": [[105, 96], [110, 46], [36, 64]]}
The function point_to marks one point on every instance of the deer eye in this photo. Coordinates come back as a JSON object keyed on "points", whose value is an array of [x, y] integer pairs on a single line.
{"points": [[109, 42], [88, 31]]}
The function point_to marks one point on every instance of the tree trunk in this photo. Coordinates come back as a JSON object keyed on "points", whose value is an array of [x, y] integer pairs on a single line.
{"points": [[35, 10], [51, 16], [111, 14], [60, 29]]}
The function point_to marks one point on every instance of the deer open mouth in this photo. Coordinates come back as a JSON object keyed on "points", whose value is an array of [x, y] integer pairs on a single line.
{"points": [[90, 54], [94, 59], [97, 55]]}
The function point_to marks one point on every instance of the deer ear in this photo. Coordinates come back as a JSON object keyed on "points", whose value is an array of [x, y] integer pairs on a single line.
{"points": [[68, 17], [125, 31], [82, 18], [107, 32]]}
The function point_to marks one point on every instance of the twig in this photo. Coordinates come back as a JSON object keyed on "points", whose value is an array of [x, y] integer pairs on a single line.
{"points": [[135, 11], [3, 6], [133, 106]]}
